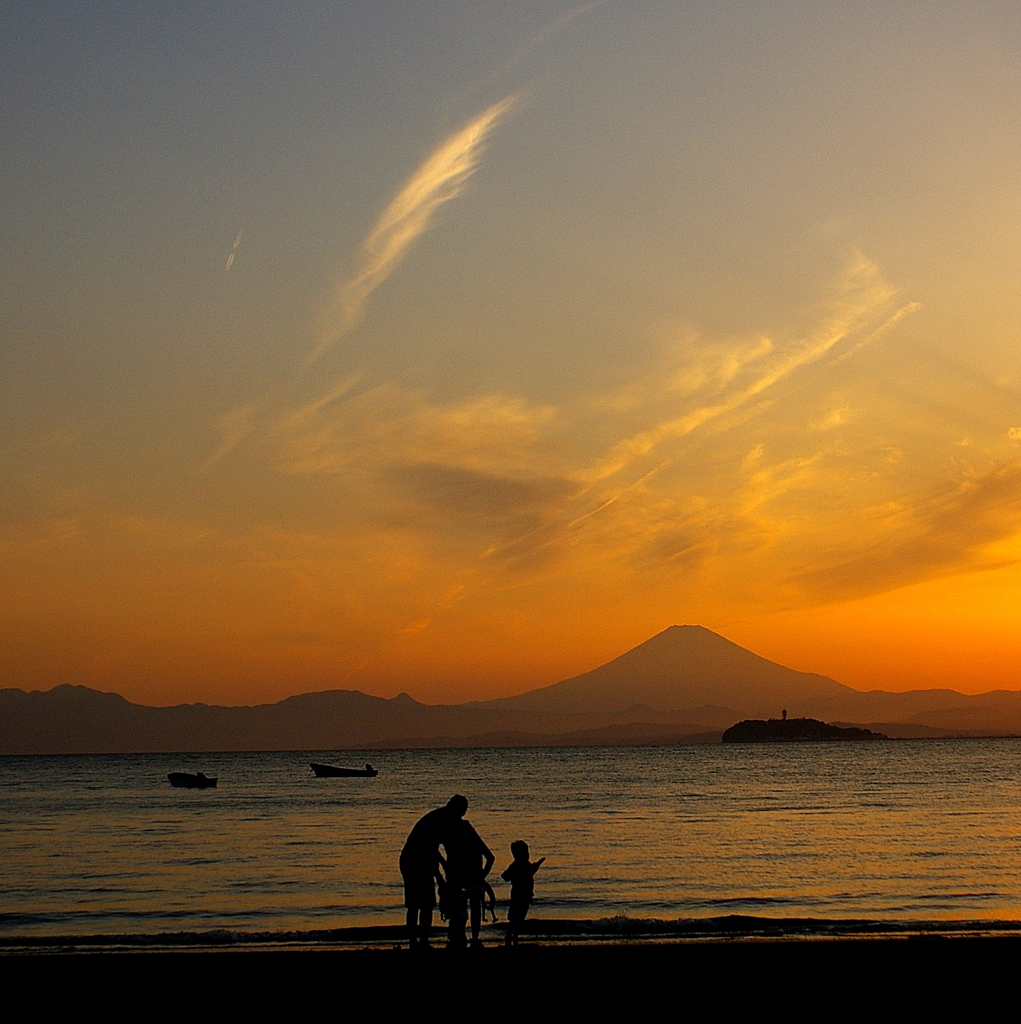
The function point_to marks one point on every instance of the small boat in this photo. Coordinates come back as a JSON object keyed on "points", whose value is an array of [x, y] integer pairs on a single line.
{"points": [[327, 771], [185, 780]]}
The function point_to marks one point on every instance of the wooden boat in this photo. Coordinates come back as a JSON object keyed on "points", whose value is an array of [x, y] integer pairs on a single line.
{"points": [[326, 771], [185, 780]]}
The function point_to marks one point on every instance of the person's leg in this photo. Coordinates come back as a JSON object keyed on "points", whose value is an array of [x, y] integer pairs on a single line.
{"points": [[521, 919], [476, 912], [419, 898], [457, 918], [512, 924], [516, 916]]}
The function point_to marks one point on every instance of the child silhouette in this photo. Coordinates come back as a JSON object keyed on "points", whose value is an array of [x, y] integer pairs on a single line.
{"points": [[521, 875]]}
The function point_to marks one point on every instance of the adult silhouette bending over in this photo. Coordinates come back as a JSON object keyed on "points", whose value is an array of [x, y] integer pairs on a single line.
{"points": [[420, 865], [468, 862]]}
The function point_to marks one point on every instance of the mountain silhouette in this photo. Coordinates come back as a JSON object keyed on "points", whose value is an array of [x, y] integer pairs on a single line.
{"points": [[685, 684], [685, 667]]}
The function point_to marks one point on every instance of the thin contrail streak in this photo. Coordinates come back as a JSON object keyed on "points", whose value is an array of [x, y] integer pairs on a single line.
{"points": [[439, 179], [233, 251], [911, 307]]}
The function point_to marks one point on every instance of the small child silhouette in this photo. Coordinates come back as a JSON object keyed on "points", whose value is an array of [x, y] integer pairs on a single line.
{"points": [[521, 875]]}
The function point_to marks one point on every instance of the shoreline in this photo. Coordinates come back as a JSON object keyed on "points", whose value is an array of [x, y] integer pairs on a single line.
{"points": [[585, 970], [605, 933]]}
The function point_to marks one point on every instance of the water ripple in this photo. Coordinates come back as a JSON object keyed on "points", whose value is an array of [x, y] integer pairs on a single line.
{"points": [[906, 830]]}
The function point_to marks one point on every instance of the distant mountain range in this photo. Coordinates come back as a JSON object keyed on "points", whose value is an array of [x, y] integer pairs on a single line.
{"points": [[686, 684]]}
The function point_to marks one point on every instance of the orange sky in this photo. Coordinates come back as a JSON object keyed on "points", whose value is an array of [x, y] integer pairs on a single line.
{"points": [[458, 349]]}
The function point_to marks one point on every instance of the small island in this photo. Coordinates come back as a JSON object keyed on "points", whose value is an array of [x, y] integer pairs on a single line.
{"points": [[794, 730]]}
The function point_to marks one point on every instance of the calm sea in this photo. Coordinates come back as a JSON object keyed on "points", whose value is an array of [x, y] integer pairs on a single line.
{"points": [[899, 830]]}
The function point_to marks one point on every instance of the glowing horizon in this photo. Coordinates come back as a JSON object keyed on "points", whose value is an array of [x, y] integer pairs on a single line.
{"points": [[460, 352]]}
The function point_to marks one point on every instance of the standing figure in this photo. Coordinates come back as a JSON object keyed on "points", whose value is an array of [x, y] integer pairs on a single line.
{"points": [[420, 865], [521, 875], [468, 862]]}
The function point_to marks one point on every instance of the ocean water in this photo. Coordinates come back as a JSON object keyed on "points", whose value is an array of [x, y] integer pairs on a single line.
{"points": [[887, 831]]}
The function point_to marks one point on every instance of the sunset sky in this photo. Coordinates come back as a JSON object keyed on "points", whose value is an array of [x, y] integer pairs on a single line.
{"points": [[457, 347]]}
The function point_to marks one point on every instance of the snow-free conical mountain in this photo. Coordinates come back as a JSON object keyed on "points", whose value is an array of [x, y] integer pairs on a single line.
{"points": [[688, 667], [672, 688], [685, 668]]}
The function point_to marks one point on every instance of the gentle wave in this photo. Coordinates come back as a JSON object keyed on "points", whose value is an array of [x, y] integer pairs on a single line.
{"points": [[881, 831]]}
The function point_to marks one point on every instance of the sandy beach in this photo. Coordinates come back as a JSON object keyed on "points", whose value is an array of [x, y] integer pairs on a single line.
{"points": [[538, 934], [795, 969], [749, 946]]}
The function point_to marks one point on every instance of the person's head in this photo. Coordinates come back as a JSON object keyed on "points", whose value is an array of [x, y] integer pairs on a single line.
{"points": [[457, 805], [519, 849]]}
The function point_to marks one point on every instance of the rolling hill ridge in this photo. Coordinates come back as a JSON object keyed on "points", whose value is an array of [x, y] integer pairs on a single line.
{"points": [[686, 684]]}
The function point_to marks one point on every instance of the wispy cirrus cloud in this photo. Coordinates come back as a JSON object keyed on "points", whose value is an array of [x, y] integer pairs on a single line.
{"points": [[711, 459], [439, 179], [954, 528], [530, 475], [382, 425], [888, 324], [234, 425], [863, 296]]}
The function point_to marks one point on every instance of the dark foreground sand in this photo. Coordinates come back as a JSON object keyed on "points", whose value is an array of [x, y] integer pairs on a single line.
{"points": [[787, 969]]}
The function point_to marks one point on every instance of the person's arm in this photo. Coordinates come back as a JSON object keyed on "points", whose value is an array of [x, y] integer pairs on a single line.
{"points": [[490, 860], [508, 875], [537, 864]]}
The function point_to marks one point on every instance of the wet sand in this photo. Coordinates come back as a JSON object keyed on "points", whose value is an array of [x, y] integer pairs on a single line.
{"points": [[614, 932], [561, 966], [792, 980]]}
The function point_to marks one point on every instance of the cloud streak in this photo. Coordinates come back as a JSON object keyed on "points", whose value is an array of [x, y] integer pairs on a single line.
{"points": [[946, 531], [386, 425], [439, 179], [704, 465], [864, 294], [233, 251], [528, 475], [911, 307], [234, 426]]}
